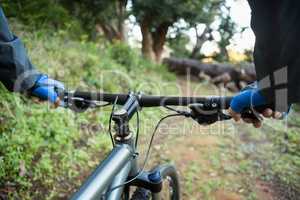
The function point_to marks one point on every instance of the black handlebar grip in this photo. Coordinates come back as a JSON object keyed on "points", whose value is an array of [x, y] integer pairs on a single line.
{"points": [[224, 102]]}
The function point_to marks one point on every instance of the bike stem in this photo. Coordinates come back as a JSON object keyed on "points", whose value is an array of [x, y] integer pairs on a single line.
{"points": [[122, 116]]}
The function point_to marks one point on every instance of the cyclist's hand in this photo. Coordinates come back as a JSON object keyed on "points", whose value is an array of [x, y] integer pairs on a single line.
{"points": [[247, 99], [268, 113], [46, 89]]}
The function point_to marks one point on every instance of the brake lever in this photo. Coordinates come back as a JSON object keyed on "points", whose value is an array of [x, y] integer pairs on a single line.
{"points": [[210, 119], [206, 115], [78, 104]]}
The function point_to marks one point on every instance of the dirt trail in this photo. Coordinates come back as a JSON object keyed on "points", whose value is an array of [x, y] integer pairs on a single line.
{"points": [[206, 159]]}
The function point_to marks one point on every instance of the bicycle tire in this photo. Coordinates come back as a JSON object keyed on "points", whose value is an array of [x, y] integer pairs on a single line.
{"points": [[167, 172]]}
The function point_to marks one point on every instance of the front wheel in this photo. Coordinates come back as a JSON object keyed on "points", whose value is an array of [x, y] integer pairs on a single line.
{"points": [[170, 188]]}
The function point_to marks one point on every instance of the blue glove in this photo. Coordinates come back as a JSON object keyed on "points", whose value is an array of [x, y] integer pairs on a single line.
{"points": [[247, 99], [46, 89]]}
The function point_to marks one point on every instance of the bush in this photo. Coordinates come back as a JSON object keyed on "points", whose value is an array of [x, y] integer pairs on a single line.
{"points": [[124, 55], [38, 146]]}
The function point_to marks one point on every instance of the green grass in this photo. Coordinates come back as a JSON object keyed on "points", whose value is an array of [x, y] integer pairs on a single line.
{"points": [[273, 152]]}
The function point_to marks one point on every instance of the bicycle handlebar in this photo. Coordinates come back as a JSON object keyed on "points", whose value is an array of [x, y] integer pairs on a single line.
{"points": [[83, 100], [152, 101]]}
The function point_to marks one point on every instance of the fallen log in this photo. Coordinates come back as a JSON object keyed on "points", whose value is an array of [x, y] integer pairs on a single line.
{"points": [[219, 73]]}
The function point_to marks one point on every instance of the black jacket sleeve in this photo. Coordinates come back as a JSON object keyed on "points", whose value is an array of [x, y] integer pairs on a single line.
{"points": [[277, 49], [16, 71]]}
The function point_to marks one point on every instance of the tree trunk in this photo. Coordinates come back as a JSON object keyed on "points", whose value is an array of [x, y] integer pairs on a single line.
{"points": [[108, 31], [218, 72], [121, 10], [159, 39], [147, 41], [114, 31], [201, 39], [224, 53]]}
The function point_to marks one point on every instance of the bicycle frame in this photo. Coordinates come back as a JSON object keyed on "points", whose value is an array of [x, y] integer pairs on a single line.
{"points": [[121, 163], [101, 180]]}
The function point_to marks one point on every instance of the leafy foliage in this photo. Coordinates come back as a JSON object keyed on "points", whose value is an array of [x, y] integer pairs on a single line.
{"points": [[178, 45], [37, 13], [93, 19], [227, 28], [109, 15], [125, 56], [156, 19], [169, 11]]}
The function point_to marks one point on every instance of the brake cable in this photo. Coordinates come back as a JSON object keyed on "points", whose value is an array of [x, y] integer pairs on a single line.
{"points": [[110, 122], [147, 154], [137, 128], [181, 112]]}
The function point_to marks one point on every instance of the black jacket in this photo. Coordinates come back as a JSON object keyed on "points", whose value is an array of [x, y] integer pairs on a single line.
{"points": [[276, 24], [16, 71]]}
